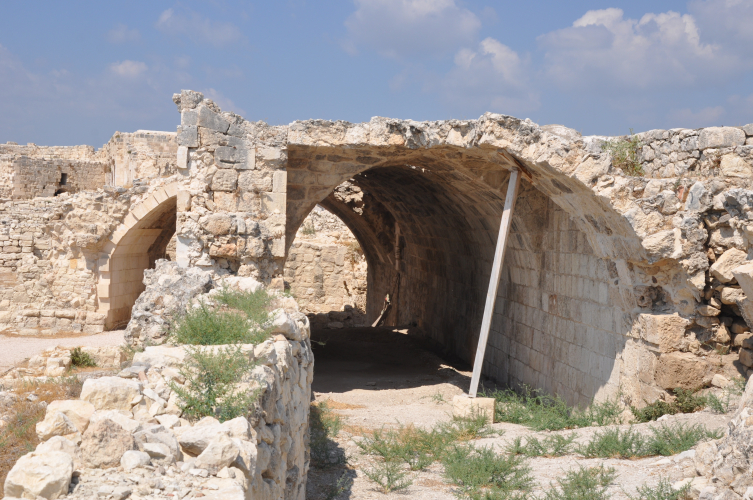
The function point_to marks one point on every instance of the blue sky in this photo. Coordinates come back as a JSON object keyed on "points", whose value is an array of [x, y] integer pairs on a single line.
{"points": [[74, 72]]}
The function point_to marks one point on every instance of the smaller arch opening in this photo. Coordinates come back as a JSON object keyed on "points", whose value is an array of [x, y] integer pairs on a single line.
{"points": [[326, 271]]}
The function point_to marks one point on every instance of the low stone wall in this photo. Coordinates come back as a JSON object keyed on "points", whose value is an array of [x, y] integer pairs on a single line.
{"points": [[326, 272], [125, 435]]}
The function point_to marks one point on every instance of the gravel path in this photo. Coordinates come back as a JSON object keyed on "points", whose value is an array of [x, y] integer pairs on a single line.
{"points": [[16, 349]]}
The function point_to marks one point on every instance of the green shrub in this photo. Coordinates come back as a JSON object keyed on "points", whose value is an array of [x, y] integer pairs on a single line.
{"points": [[324, 426], [213, 384], [551, 446], [479, 473], [664, 440], [389, 476], [253, 304], [669, 440], [662, 491], [583, 484], [541, 411], [81, 359], [239, 318], [416, 447], [686, 401], [720, 404], [626, 154]]}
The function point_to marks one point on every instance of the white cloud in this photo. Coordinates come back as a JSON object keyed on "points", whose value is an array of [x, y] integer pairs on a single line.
{"points": [[129, 69], [186, 23], [493, 77], [728, 21], [402, 29], [603, 49], [121, 34]]}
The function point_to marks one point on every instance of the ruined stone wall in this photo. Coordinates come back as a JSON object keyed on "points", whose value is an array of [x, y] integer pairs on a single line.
{"points": [[33, 177], [141, 155], [326, 272]]}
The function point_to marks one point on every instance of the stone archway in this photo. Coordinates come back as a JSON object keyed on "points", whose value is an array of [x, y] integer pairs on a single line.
{"points": [[133, 247]]}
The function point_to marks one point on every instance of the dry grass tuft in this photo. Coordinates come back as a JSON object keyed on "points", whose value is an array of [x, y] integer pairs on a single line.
{"points": [[19, 436], [337, 405]]}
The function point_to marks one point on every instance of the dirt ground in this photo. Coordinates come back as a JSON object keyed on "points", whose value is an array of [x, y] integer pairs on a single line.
{"points": [[15, 349], [381, 377]]}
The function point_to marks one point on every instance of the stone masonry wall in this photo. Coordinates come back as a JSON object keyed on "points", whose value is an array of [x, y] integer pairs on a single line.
{"points": [[123, 429], [326, 272], [139, 155]]}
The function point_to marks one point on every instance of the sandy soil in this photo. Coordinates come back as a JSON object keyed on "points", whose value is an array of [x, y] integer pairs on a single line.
{"points": [[16, 349], [380, 377]]}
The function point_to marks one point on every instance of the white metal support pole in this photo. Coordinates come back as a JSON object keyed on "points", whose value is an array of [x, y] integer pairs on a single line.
{"points": [[499, 258]]}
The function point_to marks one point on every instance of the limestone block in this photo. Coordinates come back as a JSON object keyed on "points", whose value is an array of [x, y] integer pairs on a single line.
{"points": [[663, 244], [111, 393], [220, 452], [79, 412], [120, 418], [729, 260], [218, 224], [744, 276], [55, 424], [465, 406], [746, 356], [188, 135], [104, 443], [732, 295], [748, 129], [58, 443], [183, 201], [225, 180], [182, 157], [196, 439], [720, 137], [699, 198], [133, 459], [734, 166], [707, 310], [211, 120], [47, 475], [664, 330], [680, 369]]}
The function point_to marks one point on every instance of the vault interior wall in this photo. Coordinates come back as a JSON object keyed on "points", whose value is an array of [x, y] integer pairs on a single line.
{"points": [[559, 323]]}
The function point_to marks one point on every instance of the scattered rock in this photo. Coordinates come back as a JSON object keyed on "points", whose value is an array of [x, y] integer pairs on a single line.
{"points": [[45, 475], [133, 458], [111, 393], [104, 444]]}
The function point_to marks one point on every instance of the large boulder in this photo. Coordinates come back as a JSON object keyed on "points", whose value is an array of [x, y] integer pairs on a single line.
{"points": [[104, 444], [47, 475], [55, 424], [166, 448], [221, 452], [720, 137], [681, 370], [169, 291], [111, 393], [724, 265], [664, 330], [78, 411]]}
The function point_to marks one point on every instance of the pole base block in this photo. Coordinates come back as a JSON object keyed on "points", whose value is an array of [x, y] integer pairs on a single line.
{"points": [[464, 406]]}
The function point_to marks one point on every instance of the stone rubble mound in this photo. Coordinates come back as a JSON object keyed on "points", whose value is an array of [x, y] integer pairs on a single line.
{"points": [[125, 436], [169, 292]]}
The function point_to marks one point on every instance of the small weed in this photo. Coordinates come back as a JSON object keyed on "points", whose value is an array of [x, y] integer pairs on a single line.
{"points": [[625, 154], [669, 440], [541, 411], [130, 351], [551, 446], [665, 440], [720, 404], [613, 443], [467, 428], [686, 401], [341, 486], [583, 484], [308, 229], [324, 425], [354, 251], [253, 304], [738, 386], [389, 476], [82, 359], [662, 491], [479, 473], [416, 447], [213, 386], [438, 398]]}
